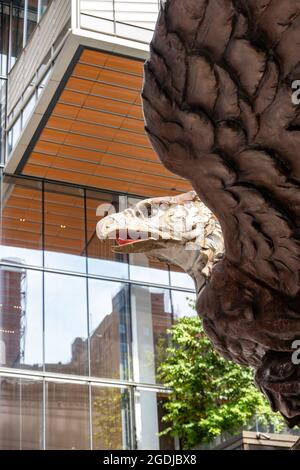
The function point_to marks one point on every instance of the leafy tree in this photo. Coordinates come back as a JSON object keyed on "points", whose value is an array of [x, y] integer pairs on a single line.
{"points": [[209, 395]]}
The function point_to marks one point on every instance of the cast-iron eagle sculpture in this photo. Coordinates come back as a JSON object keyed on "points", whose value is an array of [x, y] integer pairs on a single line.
{"points": [[219, 112]]}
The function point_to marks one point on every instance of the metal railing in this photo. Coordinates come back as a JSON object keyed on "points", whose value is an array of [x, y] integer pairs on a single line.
{"points": [[133, 20]]}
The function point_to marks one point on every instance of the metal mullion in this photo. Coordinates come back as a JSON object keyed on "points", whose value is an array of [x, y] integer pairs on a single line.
{"points": [[114, 16], [97, 381], [102, 278], [91, 440], [39, 15], [44, 315], [88, 322], [44, 412], [133, 436]]}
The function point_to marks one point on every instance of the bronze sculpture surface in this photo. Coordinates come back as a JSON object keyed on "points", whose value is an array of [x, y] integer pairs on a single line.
{"points": [[219, 112]]}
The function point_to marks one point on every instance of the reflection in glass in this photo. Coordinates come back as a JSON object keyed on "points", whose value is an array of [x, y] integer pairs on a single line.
{"points": [[151, 318], [101, 259], [21, 318], [21, 237], [17, 30], [67, 416], [21, 414], [4, 37], [66, 345], [16, 132], [28, 109], [149, 413], [145, 269], [64, 228], [109, 329], [44, 5], [183, 304], [3, 85], [179, 278], [111, 418], [32, 16]]}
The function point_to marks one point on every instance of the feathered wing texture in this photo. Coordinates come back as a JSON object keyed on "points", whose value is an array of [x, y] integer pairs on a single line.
{"points": [[219, 111], [218, 108]]}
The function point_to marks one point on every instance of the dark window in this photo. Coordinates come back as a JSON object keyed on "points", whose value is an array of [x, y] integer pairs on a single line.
{"points": [[4, 37], [17, 32], [32, 17]]}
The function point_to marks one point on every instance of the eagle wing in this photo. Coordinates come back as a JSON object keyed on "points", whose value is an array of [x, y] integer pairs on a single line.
{"points": [[219, 111]]}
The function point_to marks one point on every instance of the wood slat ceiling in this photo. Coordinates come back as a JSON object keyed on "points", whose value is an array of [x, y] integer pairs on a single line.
{"points": [[64, 229], [95, 134]]}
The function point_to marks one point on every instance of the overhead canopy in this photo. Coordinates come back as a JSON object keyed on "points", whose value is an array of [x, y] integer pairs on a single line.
{"points": [[95, 134]]}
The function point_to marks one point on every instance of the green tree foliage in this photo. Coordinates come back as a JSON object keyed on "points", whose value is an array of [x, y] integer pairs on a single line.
{"points": [[209, 395]]}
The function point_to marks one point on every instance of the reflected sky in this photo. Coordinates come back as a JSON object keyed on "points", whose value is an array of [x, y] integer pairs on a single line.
{"points": [[65, 315], [182, 304]]}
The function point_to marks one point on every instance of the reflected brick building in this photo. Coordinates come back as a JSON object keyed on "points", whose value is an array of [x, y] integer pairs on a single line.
{"points": [[12, 314]]}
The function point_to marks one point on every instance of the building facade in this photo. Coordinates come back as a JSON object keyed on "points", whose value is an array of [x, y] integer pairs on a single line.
{"points": [[82, 329]]}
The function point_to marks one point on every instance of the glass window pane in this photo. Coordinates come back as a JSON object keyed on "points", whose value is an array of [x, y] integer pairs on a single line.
{"points": [[109, 329], [44, 5], [16, 132], [21, 413], [179, 278], [101, 259], [64, 228], [17, 30], [3, 85], [21, 318], [67, 416], [66, 345], [151, 319], [4, 37], [145, 269], [183, 304], [21, 237], [149, 413], [111, 419], [32, 14], [28, 109]]}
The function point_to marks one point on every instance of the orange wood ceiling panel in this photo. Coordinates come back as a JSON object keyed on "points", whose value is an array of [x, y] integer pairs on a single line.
{"points": [[95, 134]]}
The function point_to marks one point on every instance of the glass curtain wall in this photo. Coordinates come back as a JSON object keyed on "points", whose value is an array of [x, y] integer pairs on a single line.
{"points": [[75, 311], [4, 51], [18, 20], [25, 16]]}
